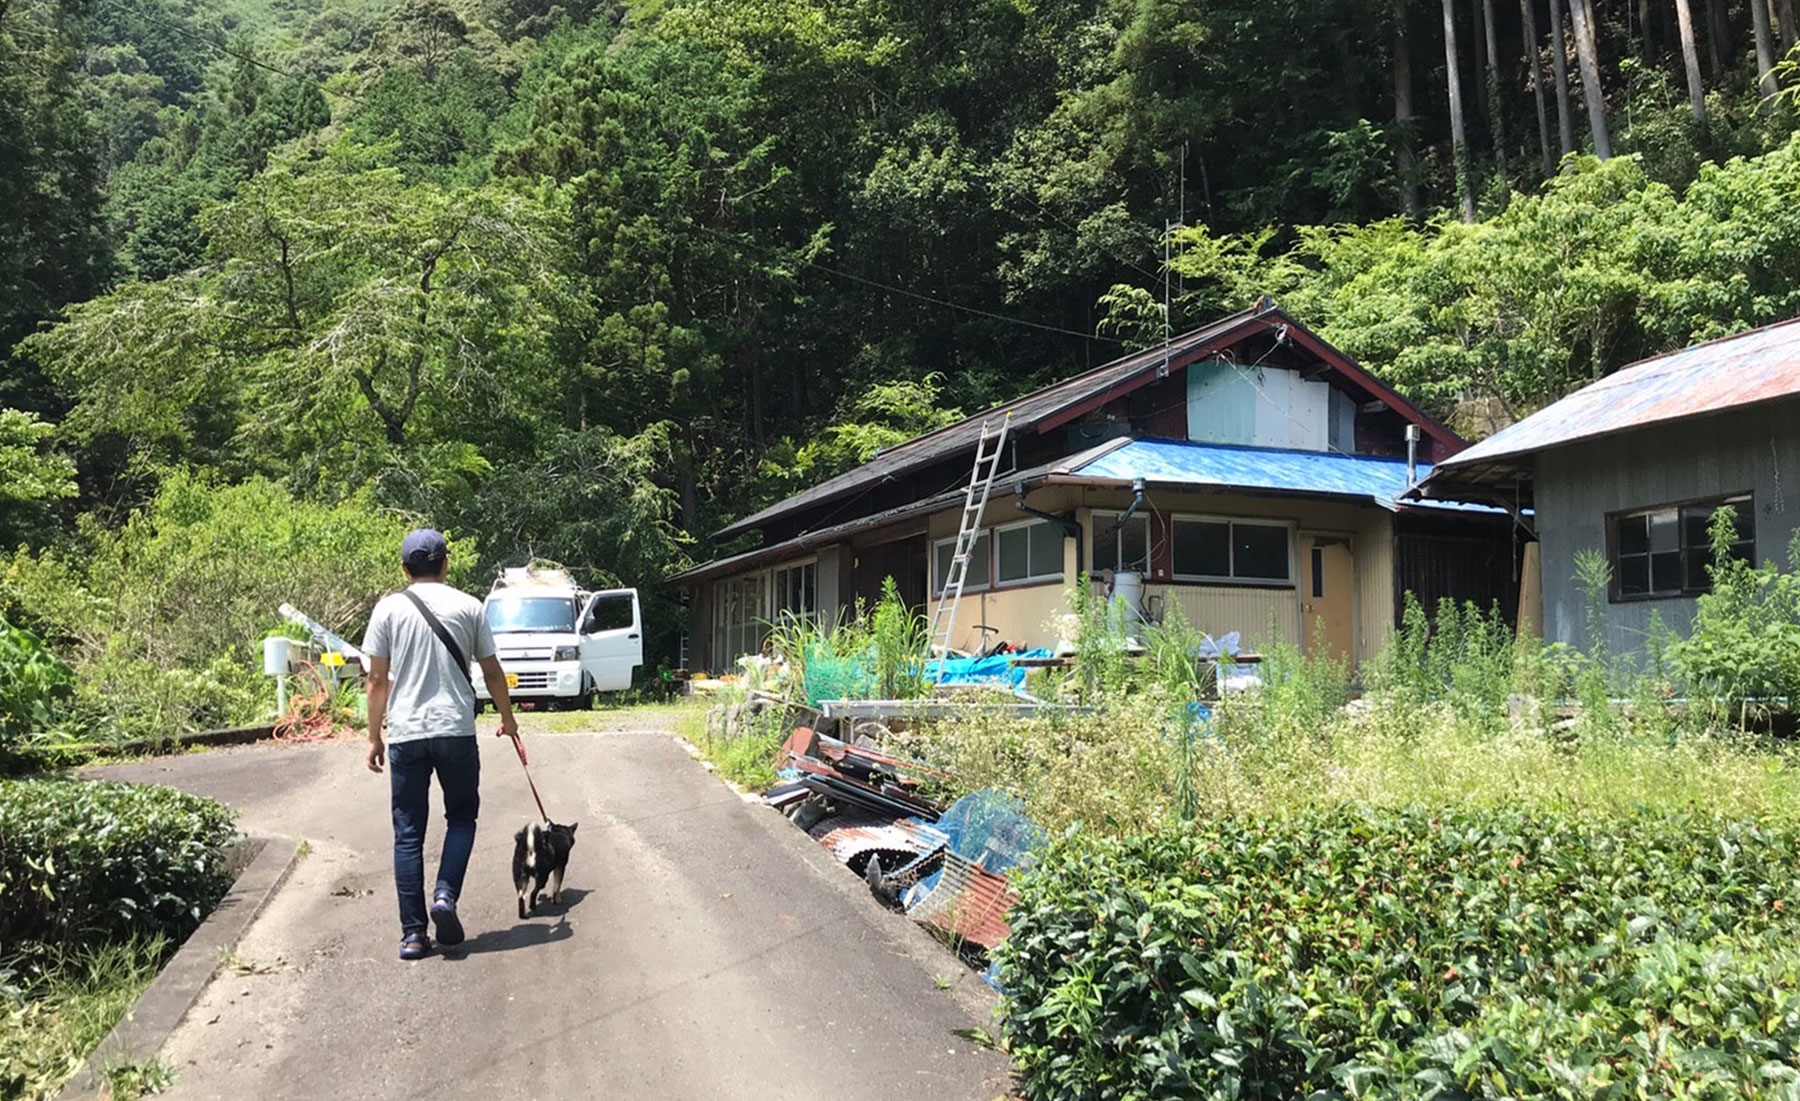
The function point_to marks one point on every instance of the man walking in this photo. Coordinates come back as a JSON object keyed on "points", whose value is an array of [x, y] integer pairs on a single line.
{"points": [[419, 644]]}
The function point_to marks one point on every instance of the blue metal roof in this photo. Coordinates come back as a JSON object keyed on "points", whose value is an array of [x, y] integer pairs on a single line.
{"points": [[1220, 466]]}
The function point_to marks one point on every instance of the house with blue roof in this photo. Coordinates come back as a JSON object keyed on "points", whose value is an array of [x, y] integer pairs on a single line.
{"points": [[1247, 473]]}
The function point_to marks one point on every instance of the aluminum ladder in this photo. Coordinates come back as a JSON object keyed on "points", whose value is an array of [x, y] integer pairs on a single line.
{"points": [[988, 451]]}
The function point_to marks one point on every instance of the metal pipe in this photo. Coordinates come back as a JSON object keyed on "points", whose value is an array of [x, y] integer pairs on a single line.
{"points": [[1137, 498], [1412, 455]]}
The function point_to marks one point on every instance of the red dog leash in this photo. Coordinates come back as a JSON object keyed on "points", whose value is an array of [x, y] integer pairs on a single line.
{"points": [[526, 765]]}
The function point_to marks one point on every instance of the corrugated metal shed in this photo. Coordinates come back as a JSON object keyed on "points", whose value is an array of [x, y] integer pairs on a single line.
{"points": [[1103, 383], [1757, 366], [1176, 464]]}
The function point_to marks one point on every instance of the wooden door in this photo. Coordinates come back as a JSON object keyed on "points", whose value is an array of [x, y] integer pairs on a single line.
{"points": [[1327, 603]]}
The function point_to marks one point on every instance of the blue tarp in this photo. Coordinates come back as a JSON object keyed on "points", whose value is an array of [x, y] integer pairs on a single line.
{"points": [[1222, 466], [997, 670]]}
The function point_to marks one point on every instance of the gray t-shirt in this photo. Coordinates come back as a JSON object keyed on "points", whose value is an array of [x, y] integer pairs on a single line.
{"points": [[428, 696]]}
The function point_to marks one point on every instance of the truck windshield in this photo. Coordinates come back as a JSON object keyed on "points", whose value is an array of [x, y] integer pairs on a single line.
{"points": [[525, 614]]}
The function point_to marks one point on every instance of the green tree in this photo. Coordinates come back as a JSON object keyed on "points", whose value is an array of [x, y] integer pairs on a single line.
{"points": [[52, 246], [33, 479], [343, 320]]}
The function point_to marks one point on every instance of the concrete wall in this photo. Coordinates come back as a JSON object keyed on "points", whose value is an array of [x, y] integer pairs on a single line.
{"points": [[1577, 486]]}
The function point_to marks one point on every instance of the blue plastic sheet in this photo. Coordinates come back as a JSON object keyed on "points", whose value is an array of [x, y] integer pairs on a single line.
{"points": [[996, 670], [988, 829]]}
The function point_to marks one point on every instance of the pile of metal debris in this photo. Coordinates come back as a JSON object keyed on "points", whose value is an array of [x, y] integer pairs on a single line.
{"points": [[946, 867]]}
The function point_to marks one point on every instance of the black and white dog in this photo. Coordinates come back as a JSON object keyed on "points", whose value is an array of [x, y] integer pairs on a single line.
{"points": [[540, 854]]}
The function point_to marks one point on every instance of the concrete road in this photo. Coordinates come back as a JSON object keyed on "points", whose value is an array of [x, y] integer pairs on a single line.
{"points": [[705, 948]]}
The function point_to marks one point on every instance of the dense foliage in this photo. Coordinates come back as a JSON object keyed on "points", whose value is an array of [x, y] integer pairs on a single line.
{"points": [[96, 862], [33, 684], [162, 616], [1414, 953]]}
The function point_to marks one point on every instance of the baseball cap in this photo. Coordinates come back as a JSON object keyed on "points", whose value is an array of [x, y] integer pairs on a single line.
{"points": [[423, 547]]}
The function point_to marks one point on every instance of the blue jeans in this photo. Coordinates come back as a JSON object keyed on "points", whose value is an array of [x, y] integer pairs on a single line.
{"points": [[457, 763]]}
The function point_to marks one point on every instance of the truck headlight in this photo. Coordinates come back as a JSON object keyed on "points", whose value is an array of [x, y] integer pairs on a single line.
{"points": [[566, 653]]}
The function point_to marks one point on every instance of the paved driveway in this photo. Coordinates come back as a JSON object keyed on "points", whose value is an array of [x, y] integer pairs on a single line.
{"points": [[705, 949]]}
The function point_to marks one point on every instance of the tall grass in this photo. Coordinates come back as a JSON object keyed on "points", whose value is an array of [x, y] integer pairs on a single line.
{"points": [[55, 1010], [1456, 711]]}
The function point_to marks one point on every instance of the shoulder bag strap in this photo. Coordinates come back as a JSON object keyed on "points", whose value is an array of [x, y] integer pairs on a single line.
{"points": [[442, 632]]}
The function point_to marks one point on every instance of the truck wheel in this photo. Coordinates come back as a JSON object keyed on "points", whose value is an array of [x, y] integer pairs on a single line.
{"points": [[587, 700]]}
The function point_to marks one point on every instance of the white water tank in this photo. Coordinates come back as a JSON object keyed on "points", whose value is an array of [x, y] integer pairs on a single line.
{"points": [[1128, 589]]}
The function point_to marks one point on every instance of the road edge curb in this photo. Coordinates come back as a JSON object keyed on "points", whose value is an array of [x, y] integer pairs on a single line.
{"points": [[146, 1027]]}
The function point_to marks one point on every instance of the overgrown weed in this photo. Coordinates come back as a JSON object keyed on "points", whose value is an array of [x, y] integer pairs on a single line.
{"points": [[1457, 710], [55, 1007]]}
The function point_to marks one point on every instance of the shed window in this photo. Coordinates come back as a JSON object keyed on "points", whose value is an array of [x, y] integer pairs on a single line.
{"points": [[1126, 548], [1232, 550], [1029, 552], [1664, 552], [980, 563]]}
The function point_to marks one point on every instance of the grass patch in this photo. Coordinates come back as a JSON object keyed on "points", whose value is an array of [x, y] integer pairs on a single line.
{"points": [[55, 1006], [744, 752], [650, 715]]}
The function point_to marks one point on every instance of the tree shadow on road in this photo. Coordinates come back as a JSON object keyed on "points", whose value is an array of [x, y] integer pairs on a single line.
{"points": [[529, 933]]}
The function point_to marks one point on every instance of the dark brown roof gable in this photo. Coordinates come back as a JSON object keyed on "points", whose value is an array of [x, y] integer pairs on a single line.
{"points": [[1053, 406]]}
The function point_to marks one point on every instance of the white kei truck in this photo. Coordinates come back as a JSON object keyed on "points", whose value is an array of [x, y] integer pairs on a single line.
{"points": [[559, 644]]}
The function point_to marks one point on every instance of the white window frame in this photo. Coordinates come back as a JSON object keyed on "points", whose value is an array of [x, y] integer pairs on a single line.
{"points": [[1100, 521], [1289, 582], [937, 583], [776, 590], [734, 638], [1030, 578]]}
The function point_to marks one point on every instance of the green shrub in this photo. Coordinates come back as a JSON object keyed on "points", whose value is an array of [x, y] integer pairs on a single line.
{"points": [[33, 684], [88, 861], [1463, 656], [1745, 644], [163, 618], [1351, 951]]}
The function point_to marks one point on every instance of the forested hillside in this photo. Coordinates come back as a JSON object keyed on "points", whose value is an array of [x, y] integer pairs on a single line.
{"points": [[585, 281]]}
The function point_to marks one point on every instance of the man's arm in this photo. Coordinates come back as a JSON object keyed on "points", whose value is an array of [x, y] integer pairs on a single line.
{"points": [[495, 679], [378, 701]]}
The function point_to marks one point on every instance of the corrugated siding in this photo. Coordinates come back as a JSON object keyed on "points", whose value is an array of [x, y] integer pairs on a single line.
{"points": [[1374, 553], [1757, 449], [1253, 613]]}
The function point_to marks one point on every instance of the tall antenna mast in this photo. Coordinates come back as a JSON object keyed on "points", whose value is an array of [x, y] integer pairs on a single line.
{"points": [[1167, 233], [1181, 208]]}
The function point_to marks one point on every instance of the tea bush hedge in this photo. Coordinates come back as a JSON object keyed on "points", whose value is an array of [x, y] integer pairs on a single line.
{"points": [[93, 861], [1399, 953]]}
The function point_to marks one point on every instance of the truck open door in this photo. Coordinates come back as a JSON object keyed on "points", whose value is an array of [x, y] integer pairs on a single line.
{"points": [[612, 639]]}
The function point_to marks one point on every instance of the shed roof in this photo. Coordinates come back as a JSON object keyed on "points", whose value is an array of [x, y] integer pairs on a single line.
{"points": [[1728, 373], [1053, 406]]}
